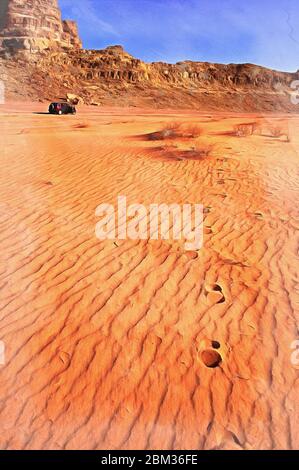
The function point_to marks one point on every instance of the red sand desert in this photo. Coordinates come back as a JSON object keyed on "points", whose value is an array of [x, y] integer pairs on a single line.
{"points": [[107, 343]]}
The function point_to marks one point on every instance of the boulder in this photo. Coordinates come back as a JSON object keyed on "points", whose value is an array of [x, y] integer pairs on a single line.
{"points": [[73, 99]]}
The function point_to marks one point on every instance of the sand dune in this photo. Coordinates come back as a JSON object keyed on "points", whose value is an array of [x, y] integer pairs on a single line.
{"points": [[107, 344]]}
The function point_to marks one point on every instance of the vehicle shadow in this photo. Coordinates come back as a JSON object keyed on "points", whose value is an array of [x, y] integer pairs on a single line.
{"points": [[41, 113]]}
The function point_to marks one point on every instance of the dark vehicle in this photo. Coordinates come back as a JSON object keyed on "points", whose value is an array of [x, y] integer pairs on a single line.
{"points": [[61, 108]]}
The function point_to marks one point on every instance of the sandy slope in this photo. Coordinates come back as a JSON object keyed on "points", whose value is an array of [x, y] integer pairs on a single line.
{"points": [[104, 341]]}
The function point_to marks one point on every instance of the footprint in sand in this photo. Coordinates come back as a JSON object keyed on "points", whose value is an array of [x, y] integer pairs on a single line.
{"points": [[207, 210], [214, 294], [207, 230], [190, 255], [65, 357], [211, 352], [211, 358]]}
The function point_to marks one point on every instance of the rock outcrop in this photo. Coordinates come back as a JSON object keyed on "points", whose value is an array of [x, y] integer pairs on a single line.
{"points": [[35, 25], [70, 35], [43, 54]]}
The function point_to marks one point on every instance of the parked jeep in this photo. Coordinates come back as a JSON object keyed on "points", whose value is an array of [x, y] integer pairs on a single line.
{"points": [[62, 108]]}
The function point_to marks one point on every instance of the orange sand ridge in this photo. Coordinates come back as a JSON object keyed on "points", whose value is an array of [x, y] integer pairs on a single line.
{"points": [[106, 343]]}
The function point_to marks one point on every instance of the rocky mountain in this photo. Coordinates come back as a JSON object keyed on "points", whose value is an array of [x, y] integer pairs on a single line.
{"points": [[35, 25], [41, 59]]}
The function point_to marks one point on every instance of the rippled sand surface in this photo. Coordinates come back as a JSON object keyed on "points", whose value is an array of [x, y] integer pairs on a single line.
{"points": [[107, 343]]}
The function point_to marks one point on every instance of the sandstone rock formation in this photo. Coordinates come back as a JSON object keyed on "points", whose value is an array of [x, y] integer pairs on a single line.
{"points": [[70, 34], [35, 25], [113, 77], [43, 53]]}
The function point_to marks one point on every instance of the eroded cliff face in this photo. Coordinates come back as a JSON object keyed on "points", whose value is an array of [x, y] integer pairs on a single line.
{"points": [[113, 77], [41, 59], [35, 25], [70, 34]]}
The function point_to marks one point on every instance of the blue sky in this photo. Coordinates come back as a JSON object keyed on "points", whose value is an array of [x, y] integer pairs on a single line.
{"points": [[263, 32]]}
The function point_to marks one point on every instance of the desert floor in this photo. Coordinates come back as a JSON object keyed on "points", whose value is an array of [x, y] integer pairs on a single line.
{"points": [[104, 340]]}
